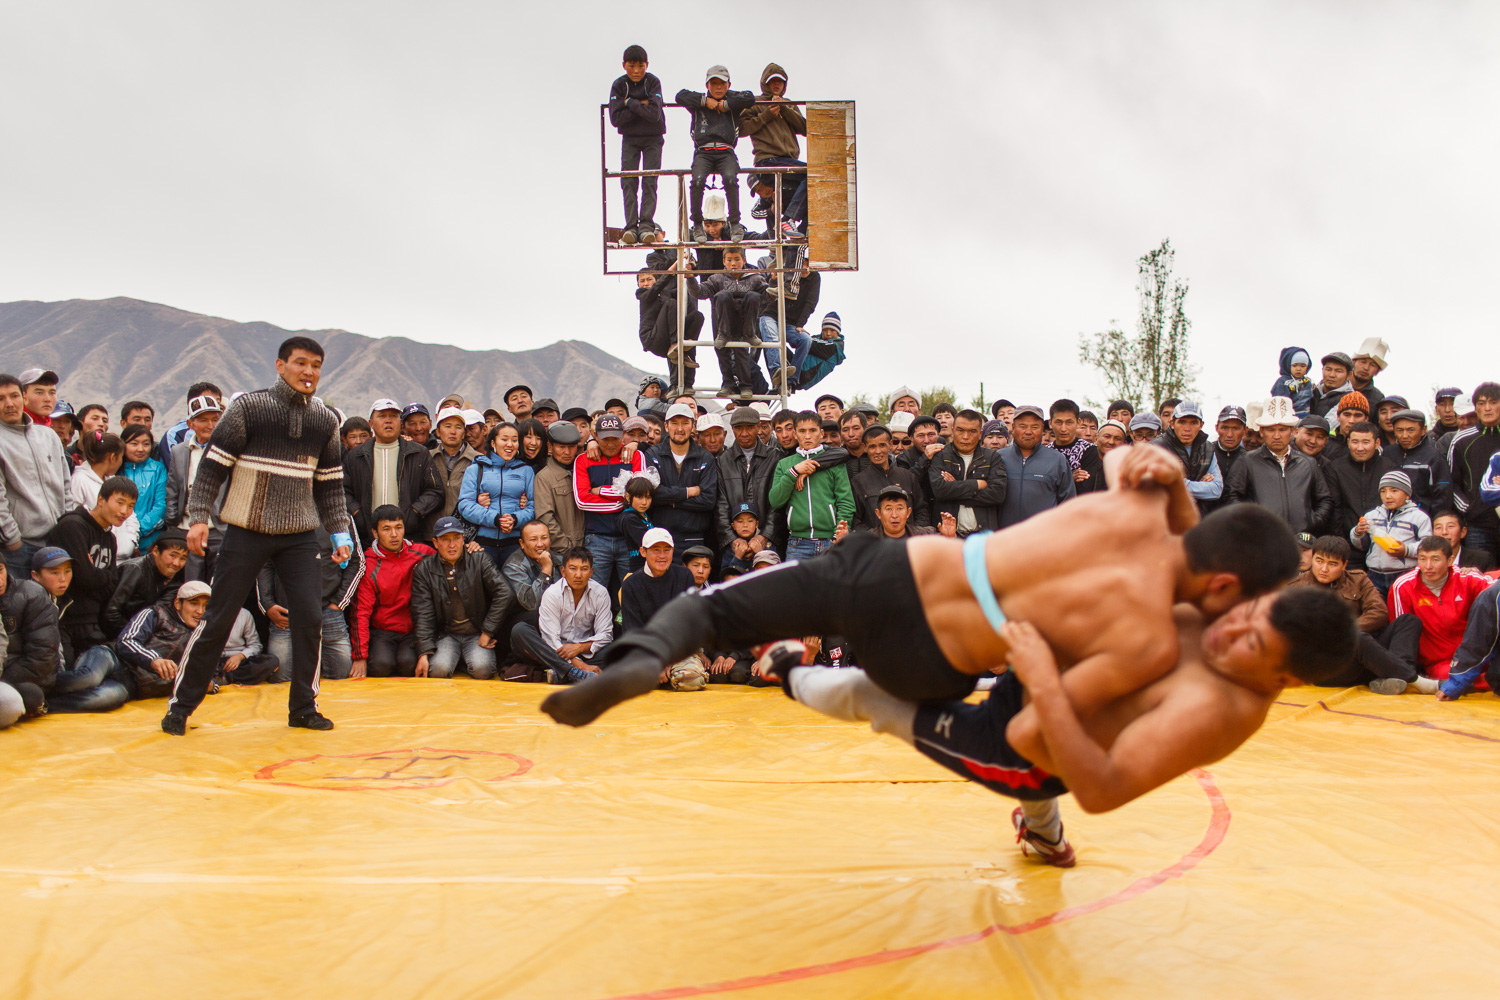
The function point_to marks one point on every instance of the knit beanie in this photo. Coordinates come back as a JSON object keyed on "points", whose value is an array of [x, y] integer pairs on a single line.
{"points": [[832, 319], [1398, 479], [1354, 401]]}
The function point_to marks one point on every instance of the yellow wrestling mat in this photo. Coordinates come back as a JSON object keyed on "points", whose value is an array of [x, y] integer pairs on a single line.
{"points": [[448, 841]]}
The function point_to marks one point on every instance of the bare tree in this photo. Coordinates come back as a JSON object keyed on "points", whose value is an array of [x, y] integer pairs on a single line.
{"points": [[1152, 364]]}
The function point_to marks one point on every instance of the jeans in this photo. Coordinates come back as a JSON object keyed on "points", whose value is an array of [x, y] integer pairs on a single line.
{"points": [[391, 654], [611, 562], [1383, 581], [639, 153], [798, 342], [338, 655], [807, 548], [478, 661], [500, 549], [18, 563], [87, 686], [295, 559], [723, 163], [793, 187], [527, 644]]}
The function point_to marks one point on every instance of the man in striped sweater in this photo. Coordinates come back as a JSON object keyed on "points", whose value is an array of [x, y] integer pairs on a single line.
{"points": [[278, 449]]}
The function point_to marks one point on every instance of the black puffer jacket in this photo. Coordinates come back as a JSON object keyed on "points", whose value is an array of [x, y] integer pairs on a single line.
{"points": [[486, 596], [1355, 487], [1431, 483], [33, 639], [141, 585], [1297, 494]]}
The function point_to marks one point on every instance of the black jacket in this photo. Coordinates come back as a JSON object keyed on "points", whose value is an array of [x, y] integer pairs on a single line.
{"points": [[33, 640], [1324, 403], [1092, 462], [799, 307], [1298, 495], [1355, 489], [643, 595], [94, 572], [418, 488], [154, 633], [339, 583], [737, 487], [629, 116], [140, 586], [867, 485], [1196, 460], [715, 128], [963, 492], [486, 597], [1431, 484], [1469, 460], [684, 516], [1227, 460]]}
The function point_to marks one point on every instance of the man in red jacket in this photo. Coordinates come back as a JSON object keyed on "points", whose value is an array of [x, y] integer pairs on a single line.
{"points": [[1441, 599], [384, 642]]}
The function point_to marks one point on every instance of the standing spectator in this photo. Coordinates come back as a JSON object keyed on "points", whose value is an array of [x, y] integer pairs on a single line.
{"points": [[1450, 525], [475, 430], [416, 423], [1119, 409], [34, 476], [1145, 428], [926, 445], [660, 579], [773, 128], [518, 402], [150, 478], [554, 502], [458, 604], [64, 423], [1352, 409], [576, 624], [1293, 382], [1414, 454], [825, 354], [1446, 421], [1441, 600], [103, 454], [904, 399], [745, 471], [1354, 484], [880, 473], [684, 501], [900, 428], [1205, 481], [1035, 478], [1329, 393], [1229, 448], [816, 500], [39, 388], [829, 407], [710, 433], [390, 471], [1311, 438], [353, 432], [714, 133], [636, 112], [451, 458], [945, 414], [1167, 411], [180, 431], [145, 579], [601, 502], [182, 469], [1391, 532], [1112, 434], [1385, 410], [1083, 458], [545, 410], [497, 494], [137, 411], [1279, 477], [1369, 362], [1469, 456], [338, 584], [1088, 426], [385, 643]]}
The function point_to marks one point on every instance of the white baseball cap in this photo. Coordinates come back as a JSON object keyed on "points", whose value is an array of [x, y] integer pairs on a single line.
{"points": [[453, 411], [384, 404], [710, 420], [472, 417], [656, 536], [681, 410]]}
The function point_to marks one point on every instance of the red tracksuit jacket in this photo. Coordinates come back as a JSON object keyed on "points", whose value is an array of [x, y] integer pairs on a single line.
{"points": [[384, 599], [1444, 616]]}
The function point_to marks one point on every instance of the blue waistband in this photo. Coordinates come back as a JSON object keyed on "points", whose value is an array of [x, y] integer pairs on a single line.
{"points": [[978, 573]]}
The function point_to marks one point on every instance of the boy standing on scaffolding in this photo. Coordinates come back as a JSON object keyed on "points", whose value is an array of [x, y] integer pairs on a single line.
{"points": [[635, 109], [715, 131]]}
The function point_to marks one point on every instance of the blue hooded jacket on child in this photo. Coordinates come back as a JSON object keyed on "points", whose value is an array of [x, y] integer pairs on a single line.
{"points": [[1299, 390]]}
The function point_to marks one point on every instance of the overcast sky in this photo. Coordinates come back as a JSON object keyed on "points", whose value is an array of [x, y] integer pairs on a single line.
{"points": [[1325, 171]]}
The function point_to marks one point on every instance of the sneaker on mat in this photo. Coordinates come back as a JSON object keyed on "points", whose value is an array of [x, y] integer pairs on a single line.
{"points": [[310, 720], [1388, 685], [1058, 854]]}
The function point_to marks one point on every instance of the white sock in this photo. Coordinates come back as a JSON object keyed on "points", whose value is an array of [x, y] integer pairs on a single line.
{"points": [[1043, 818], [850, 695], [1426, 685]]}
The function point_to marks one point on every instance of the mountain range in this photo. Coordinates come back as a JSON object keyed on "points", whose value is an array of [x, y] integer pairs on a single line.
{"points": [[112, 350]]}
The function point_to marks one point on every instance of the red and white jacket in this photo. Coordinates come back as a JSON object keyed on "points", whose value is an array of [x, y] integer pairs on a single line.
{"points": [[384, 598], [1443, 616]]}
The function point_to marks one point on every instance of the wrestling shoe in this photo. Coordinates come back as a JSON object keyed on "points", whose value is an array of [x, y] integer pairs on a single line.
{"points": [[1388, 685], [687, 675], [628, 236], [1058, 854], [174, 724], [775, 659], [310, 720]]}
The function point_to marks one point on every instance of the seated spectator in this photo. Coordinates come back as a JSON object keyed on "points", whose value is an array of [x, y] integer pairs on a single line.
{"points": [[1083, 458], [354, 432], [1414, 454], [243, 660], [879, 473], [498, 494], [389, 470], [816, 500], [103, 456], [29, 642], [416, 423], [87, 537], [451, 458], [153, 645], [1328, 394], [1386, 656], [1186, 440], [1034, 478], [736, 297], [1144, 428], [385, 644], [1293, 382], [529, 571], [1449, 524], [84, 677], [996, 435], [182, 468], [825, 353], [34, 476], [1441, 599], [1279, 477], [773, 126], [150, 478], [340, 583], [458, 604], [1112, 434], [1395, 528], [645, 593], [554, 503], [1476, 654], [802, 288], [656, 291], [575, 624], [146, 579]]}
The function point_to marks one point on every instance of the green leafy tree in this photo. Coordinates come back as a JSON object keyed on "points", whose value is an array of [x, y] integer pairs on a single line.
{"points": [[1151, 364]]}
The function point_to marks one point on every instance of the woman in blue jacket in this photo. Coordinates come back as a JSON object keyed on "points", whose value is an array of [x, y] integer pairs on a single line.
{"points": [[497, 492], [150, 478]]}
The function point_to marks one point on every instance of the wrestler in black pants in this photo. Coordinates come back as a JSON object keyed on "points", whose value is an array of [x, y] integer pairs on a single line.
{"points": [[862, 589], [295, 558]]}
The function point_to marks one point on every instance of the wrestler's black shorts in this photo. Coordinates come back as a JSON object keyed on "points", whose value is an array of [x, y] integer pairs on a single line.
{"points": [[970, 740]]}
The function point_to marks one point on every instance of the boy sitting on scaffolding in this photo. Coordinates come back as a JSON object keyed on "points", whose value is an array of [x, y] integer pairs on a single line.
{"points": [[736, 299], [715, 131]]}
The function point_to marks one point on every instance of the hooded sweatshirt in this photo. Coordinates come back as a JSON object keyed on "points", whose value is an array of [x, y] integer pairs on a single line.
{"points": [[1299, 390], [35, 476], [773, 131]]}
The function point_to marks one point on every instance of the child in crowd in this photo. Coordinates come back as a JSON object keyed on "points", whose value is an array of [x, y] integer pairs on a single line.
{"points": [[773, 129], [736, 297], [354, 432], [1293, 382], [699, 559], [638, 488], [715, 131], [635, 110], [1396, 527], [825, 354], [746, 543], [657, 294]]}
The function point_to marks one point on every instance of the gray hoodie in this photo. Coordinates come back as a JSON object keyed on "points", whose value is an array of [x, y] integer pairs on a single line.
{"points": [[33, 481]]}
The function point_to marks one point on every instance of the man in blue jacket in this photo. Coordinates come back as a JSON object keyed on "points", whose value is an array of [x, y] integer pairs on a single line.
{"points": [[1037, 478], [684, 502]]}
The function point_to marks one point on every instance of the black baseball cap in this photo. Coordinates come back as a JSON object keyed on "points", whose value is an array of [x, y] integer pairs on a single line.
{"points": [[827, 395], [575, 413], [414, 408], [608, 425], [544, 404], [744, 508], [893, 490], [518, 385], [1232, 412]]}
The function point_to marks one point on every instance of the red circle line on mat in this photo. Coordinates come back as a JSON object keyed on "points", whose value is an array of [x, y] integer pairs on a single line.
{"points": [[268, 773], [1218, 827]]}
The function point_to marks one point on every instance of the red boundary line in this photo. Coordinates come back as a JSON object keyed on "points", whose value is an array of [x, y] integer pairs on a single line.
{"points": [[268, 772], [1218, 827]]}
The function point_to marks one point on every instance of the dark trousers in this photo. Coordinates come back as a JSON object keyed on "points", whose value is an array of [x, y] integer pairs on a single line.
{"points": [[241, 556], [793, 187], [391, 654], [639, 153], [736, 317], [663, 336], [715, 161], [527, 644], [252, 669], [1391, 652]]}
